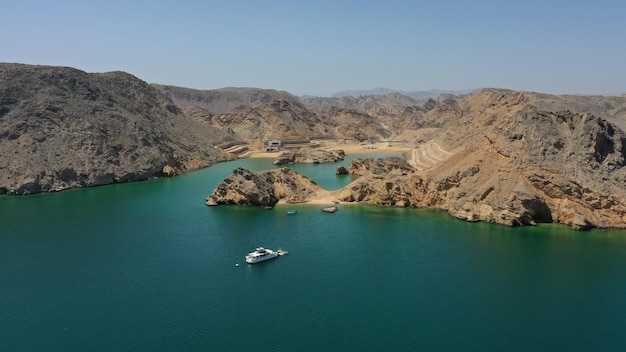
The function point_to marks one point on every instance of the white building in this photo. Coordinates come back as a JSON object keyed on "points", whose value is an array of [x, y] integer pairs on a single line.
{"points": [[273, 145]]}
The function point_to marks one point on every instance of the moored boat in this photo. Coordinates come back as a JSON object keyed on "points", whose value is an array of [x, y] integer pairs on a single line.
{"points": [[260, 255]]}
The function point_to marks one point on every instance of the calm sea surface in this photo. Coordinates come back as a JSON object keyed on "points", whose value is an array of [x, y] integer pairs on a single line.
{"points": [[148, 267]]}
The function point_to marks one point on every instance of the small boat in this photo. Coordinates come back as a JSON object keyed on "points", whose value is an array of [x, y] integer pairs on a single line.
{"points": [[260, 255], [292, 212]]}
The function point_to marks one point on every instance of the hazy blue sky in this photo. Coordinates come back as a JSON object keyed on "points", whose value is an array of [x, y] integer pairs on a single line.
{"points": [[321, 47]]}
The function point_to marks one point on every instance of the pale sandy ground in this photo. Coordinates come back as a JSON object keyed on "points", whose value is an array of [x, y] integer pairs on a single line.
{"points": [[322, 199], [348, 148]]}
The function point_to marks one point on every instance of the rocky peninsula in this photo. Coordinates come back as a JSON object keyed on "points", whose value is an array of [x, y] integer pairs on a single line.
{"points": [[265, 189], [308, 155]]}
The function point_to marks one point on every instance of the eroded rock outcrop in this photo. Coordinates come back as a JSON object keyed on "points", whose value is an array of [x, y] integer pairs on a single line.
{"points": [[308, 155], [264, 189], [376, 166], [341, 170]]}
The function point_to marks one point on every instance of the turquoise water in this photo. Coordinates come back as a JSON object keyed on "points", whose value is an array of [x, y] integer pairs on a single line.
{"points": [[148, 267]]}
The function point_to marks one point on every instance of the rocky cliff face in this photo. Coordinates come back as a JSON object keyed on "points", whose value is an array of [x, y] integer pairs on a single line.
{"points": [[516, 164], [62, 128], [534, 165]]}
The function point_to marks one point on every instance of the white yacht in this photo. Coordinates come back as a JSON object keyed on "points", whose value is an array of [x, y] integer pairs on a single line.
{"points": [[261, 254]]}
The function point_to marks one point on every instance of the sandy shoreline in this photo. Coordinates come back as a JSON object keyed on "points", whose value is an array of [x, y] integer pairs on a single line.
{"points": [[316, 201], [348, 148], [323, 198]]}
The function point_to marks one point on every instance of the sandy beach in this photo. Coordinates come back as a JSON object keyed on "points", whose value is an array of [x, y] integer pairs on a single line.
{"points": [[348, 148], [323, 198], [424, 156]]}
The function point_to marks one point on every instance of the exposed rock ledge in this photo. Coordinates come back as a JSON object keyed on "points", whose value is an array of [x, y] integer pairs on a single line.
{"points": [[307, 155], [529, 200]]}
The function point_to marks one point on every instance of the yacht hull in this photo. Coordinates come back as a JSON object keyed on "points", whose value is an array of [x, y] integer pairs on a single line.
{"points": [[261, 259], [260, 255]]}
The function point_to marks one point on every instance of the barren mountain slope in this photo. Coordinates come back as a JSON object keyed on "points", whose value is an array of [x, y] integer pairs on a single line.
{"points": [[424, 121], [225, 100], [278, 119], [358, 126], [611, 108], [255, 115], [371, 104], [62, 128], [531, 163], [282, 119]]}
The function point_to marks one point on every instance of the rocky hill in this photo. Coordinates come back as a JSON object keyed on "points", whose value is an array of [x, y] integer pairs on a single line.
{"points": [[522, 158], [534, 158], [358, 126], [386, 104], [225, 100], [278, 119], [290, 119], [307, 155], [361, 119], [62, 128], [264, 189]]}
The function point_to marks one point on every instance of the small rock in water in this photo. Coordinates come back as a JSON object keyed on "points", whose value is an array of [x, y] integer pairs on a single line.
{"points": [[330, 209]]}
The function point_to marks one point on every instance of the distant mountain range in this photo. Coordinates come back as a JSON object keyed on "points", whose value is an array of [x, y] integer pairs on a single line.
{"points": [[420, 94]]}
